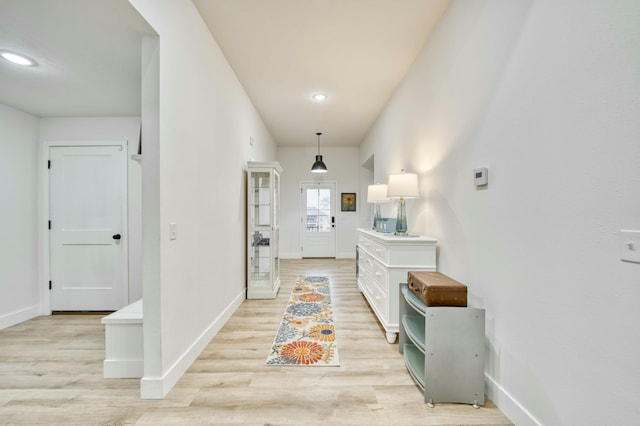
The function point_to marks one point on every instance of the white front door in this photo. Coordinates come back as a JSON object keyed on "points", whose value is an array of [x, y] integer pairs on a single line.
{"points": [[88, 240], [318, 219]]}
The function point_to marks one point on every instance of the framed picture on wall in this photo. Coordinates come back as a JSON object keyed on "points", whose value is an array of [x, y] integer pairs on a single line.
{"points": [[348, 203]]}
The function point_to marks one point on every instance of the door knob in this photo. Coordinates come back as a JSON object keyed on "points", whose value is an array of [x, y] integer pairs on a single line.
{"points": [[117, 237]]}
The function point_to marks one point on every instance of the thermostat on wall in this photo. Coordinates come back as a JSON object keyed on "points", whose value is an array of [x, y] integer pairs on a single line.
{"points": [[481, 176]]}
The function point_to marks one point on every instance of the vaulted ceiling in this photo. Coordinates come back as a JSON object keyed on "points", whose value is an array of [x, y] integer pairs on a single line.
{"points": [[354, 51]]}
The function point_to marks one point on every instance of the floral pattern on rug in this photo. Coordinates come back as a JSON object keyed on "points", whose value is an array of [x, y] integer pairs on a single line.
{"points": [[306, 335]]}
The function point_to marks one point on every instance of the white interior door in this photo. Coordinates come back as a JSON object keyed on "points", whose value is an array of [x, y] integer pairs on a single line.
{"points": [[88, 240], [318, 219]]}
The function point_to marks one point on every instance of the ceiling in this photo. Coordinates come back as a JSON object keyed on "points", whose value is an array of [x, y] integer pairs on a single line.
{"points": [[283, 51], [354, 51], [88, 54]]}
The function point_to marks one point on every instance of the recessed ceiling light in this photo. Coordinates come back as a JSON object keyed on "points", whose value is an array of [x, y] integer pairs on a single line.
{"points": [[319, 97], [17, 58]]}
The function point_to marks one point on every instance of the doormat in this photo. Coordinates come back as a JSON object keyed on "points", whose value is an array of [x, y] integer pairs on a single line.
{"points": [[306, 336]]}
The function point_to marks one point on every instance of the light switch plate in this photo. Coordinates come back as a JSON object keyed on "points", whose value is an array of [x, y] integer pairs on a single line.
{"points": [[629, 245], [481, 176], [172, 231]]}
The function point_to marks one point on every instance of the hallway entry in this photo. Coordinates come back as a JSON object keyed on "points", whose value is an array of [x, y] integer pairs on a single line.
{"points": [[88, 227], [318, 209]]}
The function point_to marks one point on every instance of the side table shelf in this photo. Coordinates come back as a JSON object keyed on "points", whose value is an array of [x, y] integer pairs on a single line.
{"points": [[443, 349], [414, 359], [414, 327]]}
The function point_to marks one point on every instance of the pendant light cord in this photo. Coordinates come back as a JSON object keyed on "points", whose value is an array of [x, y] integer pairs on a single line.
{"points": [[318, 142]]}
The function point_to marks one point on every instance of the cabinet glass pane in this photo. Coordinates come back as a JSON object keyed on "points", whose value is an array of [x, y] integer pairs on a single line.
{"points": [[276, 256], [276, 197], [260, 199], [260, 180], [260, 258]]}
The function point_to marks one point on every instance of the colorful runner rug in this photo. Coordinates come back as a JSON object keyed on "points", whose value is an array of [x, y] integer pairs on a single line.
{"points": [[306, 336]]}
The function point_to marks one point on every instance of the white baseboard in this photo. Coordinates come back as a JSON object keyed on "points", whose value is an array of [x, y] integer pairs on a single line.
{"points": [[19, 316], [344, 255], [122, 368], [347, 255], [507, 404], [159, 387], [290, 256]]}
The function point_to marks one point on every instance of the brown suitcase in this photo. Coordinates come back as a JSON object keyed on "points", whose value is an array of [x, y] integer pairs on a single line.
{"points": [[436, 289]]}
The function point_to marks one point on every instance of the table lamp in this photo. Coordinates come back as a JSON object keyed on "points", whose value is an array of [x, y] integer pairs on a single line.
{"points": [[377, 194], [402, 186]]}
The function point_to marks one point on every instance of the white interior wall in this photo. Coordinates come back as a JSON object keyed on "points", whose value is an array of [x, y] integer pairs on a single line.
{"points": [[544, 94], [367, 211], [343, 168], [18, 214], [110, 128], [206, 122], [150, 118]]}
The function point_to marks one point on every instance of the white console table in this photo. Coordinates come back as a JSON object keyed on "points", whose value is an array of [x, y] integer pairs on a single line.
{"points": [[383, 263], [123, 343]]}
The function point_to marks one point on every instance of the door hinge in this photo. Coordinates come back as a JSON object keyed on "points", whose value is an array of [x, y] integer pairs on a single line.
{"points": [[49, 224], [48, 164], [49, 285], [301, 249]]}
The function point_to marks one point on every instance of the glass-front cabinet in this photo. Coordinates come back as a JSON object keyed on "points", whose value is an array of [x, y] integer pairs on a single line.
{"points": [[263, 229]]}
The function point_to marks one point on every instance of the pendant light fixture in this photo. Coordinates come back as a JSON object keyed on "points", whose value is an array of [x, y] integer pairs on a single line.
{"points": [[318, 166]]}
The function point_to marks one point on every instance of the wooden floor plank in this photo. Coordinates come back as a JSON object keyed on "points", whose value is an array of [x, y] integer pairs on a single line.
{"points": [[51, 373]]}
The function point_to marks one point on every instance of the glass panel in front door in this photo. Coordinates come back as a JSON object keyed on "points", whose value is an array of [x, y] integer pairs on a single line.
{"points": [[318, 210]]}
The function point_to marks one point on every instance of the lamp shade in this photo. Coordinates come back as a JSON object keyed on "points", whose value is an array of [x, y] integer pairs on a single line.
{"points": [[319, 166], [377, 193], [403, 185]]}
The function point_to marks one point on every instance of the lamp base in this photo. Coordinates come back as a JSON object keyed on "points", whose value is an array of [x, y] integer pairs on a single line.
{"points": [[401, 234], [401, 224], [376, 217]]}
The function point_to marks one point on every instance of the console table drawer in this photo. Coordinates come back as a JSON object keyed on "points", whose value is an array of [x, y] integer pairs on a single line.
{"points": [[384, 260], [366, 262], [376, 297], [380, 276], [365, 243], [380, 252]]}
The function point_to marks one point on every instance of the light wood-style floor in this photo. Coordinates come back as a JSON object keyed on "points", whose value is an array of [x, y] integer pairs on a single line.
{"points": [[51, 373]]}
